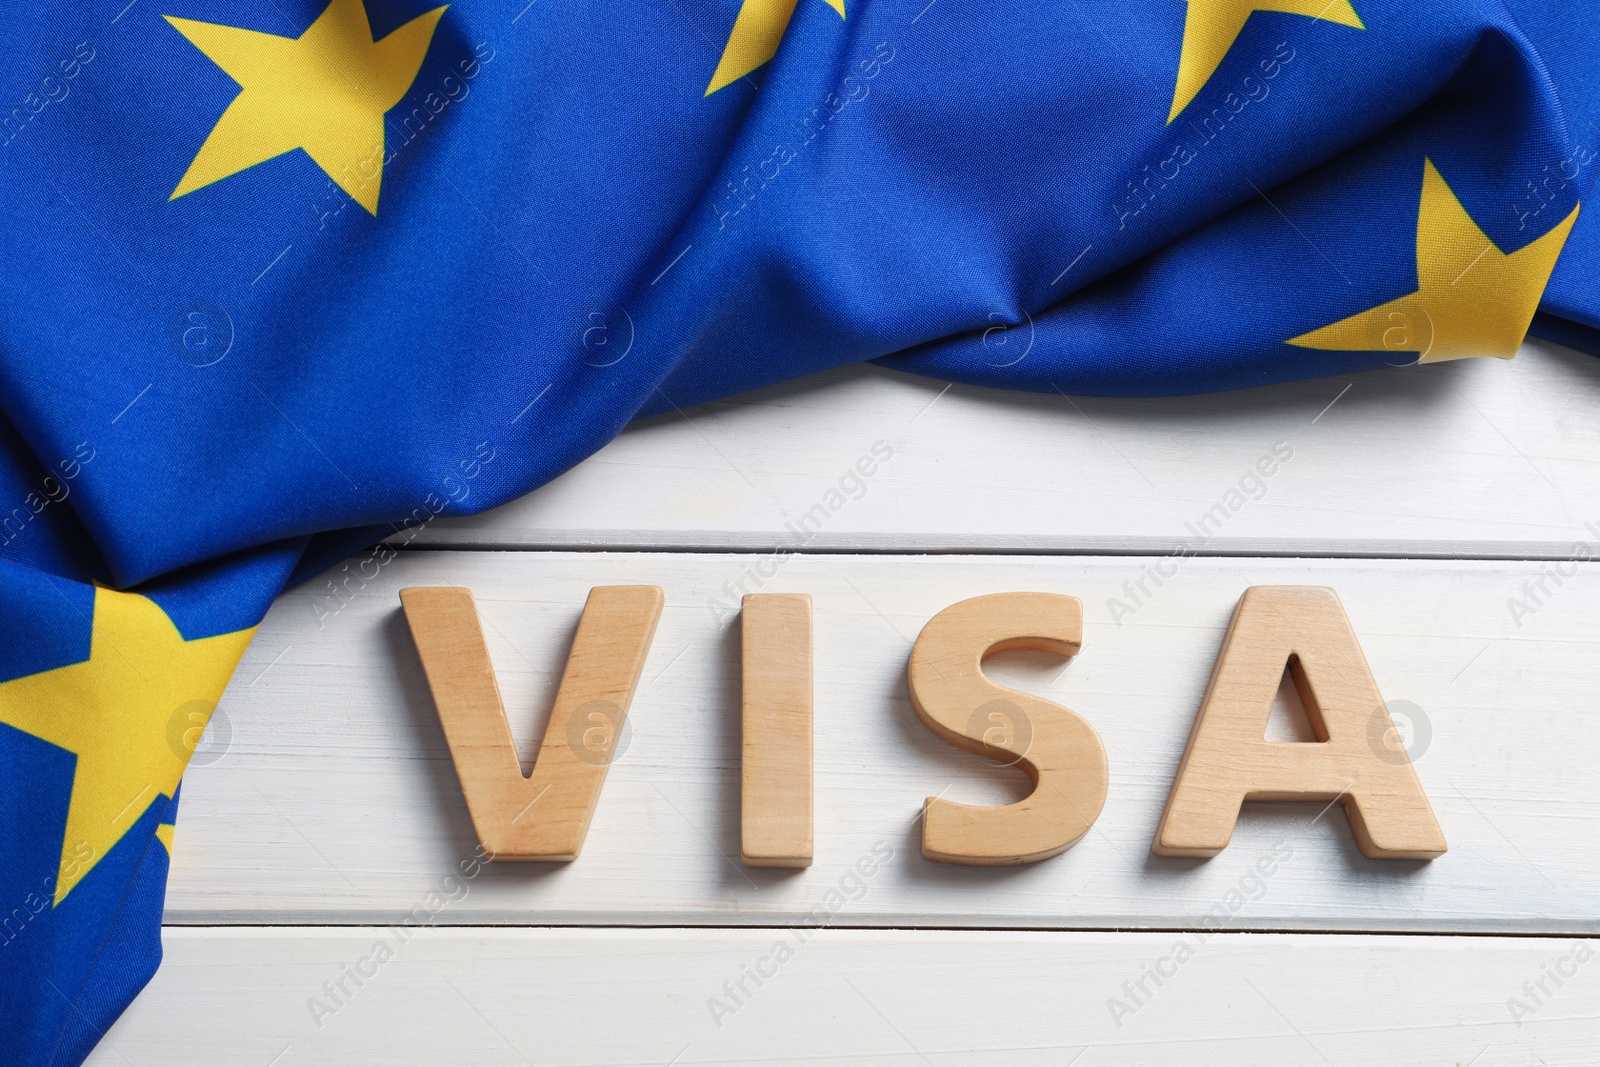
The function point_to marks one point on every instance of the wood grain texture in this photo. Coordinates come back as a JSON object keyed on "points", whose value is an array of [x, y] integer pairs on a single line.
{"points": [[1356, 758], [609, 998], [775, 768], [1058, 751], [1475, 458], [544, 815], [336, 800], [325, 792]]}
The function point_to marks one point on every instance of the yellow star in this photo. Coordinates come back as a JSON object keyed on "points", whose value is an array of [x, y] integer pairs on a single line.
{"points": [[325, 91], [757, 31], [1471, 300], [1211, 27], [114, 711]]}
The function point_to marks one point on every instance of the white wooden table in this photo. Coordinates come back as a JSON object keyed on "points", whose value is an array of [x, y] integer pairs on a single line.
{"points": [[324, 809]]}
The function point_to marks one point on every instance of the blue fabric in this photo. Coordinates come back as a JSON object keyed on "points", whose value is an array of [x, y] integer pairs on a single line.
{"points": [[211, 392]]}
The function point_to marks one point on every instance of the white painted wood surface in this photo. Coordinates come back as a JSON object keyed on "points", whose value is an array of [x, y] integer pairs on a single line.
{"points": [[336, 801], [324, 795], [620, 997], [1465, 459]]}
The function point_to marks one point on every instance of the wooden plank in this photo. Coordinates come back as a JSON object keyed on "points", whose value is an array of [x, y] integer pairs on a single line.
{"points": [[1477, 458], [336, 800], [599, 997]]}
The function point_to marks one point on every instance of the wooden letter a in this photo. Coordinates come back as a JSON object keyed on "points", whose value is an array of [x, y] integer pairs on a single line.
{"points": [[1353, 761], [545, 816]]}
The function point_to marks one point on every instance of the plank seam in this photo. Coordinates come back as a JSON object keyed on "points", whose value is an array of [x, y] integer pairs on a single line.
{"points": [[1288, 931], [1154, 550]]}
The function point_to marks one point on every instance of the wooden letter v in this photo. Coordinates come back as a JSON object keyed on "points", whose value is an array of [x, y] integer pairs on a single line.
{"points": [[544, 816]]}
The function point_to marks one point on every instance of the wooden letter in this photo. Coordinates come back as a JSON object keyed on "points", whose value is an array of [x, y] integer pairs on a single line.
{"points": [[546, 816], [775, 794], [1058, 750], [1229, 760]]}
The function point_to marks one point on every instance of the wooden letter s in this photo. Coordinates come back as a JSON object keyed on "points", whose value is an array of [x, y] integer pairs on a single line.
{"points": [[1055, 747]]}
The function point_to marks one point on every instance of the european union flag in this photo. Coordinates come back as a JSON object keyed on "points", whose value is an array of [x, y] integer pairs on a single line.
{"points": [[286, 277]]}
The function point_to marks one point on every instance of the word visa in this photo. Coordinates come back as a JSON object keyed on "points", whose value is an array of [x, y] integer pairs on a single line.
{"points": [[1228, 760]]}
